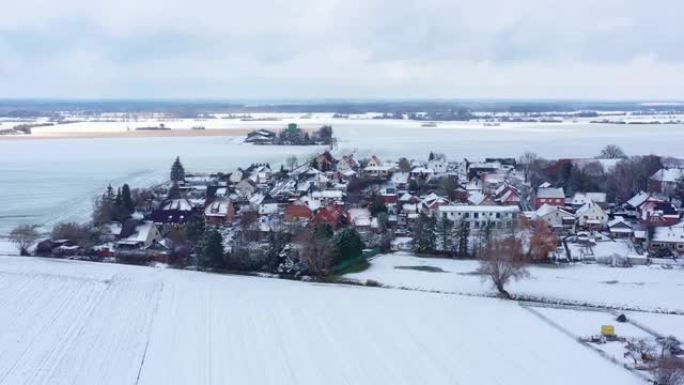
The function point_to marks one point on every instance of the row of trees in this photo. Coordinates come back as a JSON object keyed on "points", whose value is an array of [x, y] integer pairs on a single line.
{"points": [[629, 176], [113, 206], [295, 135], [503, 255]]}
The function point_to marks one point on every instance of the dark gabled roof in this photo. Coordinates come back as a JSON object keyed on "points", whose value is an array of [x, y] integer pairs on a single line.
{"points": [[666, 208]]}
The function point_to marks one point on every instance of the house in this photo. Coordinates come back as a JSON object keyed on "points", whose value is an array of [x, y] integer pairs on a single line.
{"points": [[138, 235], [298, 211], [388, 195], [259, 173], [581, 198], [378, 171], [346, 175], [620, 228], [479, 216], [261, 136], [246, 188], [374, 161], [492, 180], [347, 163], [510, 197], [555, 217], [430, 203], [236, 176], [669, 237], [324, 161], [665, 180], [549, 195], [174, 211], [268, 206], [475, 184], [400, 180], [635, 202], [656, 213], [328, 196], [591, 215], [360, 218], [219, 212], [478, 198], [333, 215], [422, 172], [408, 198], [477, 169], [438, 165]]}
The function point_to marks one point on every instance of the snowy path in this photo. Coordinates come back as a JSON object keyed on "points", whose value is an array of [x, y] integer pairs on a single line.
{"points": [[64, 322]]}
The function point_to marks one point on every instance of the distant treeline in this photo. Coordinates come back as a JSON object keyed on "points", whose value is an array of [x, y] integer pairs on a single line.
{"points": [[198, 109]]}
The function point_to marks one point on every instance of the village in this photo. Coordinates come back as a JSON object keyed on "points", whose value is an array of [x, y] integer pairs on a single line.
{"points": [[325, 215]]}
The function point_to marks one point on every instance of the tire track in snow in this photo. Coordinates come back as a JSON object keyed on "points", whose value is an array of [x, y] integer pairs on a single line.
{"points": [[160, 290]]}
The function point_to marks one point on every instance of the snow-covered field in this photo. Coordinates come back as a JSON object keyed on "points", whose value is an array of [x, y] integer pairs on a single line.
{"points": [[644, 287], [65, 322]]}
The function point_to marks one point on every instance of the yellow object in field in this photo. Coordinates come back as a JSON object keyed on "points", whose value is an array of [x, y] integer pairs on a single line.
{"points": [[607, 330]]}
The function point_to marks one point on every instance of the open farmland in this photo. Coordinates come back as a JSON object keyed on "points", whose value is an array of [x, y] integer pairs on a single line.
{"points": [[64, 322]]}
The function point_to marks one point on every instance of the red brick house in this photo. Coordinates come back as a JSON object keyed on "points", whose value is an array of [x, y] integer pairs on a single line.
{"points": [[297, 211], [551, 196], [335, 216]]}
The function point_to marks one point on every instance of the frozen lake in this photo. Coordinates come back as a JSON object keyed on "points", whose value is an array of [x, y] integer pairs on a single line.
{"points": [[45, 181]]}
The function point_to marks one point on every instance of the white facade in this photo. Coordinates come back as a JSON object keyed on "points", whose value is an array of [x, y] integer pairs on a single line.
{"points": [[479, 216], [591, 214]]}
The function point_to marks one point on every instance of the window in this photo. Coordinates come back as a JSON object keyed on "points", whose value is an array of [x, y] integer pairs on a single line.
{"points": [[498, 215], [476, 215]]}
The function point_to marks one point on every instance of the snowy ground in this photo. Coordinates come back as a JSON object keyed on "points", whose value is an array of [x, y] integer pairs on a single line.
{"points": [[643, 287], [44, 181], [64, 322]]}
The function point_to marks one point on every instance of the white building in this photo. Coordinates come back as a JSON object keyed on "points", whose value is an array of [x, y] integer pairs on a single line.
{"points": [[591, 215], [478, 216], [554, 216]]}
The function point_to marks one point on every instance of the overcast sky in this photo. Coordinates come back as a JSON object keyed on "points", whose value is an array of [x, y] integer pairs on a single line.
{"points": [[598, 49]]}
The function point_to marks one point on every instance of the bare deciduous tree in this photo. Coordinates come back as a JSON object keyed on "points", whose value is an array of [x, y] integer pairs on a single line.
{"points": [[542, 241], [23, 237], [612, 151], [503, 261], [315, 252], [668, 370], [291, 162]]}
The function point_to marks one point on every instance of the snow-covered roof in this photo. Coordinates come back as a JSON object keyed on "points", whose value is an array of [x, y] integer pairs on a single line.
{"points": [[581, 198], [509, 194], [178, 204], [140, 234], [476, 197], [638, 199], [422, 170], [218, 208], [358, 213], [670, 175], [550, 192], [378, 168], [669, 234], [619, 223], [588, 207], [478, 208], [406, 197], [327, 194], [400, 177], [545, 209]]}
